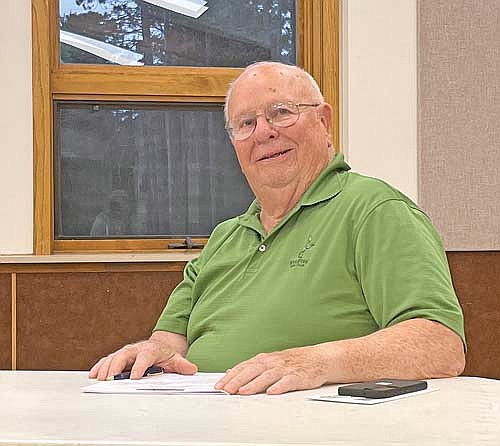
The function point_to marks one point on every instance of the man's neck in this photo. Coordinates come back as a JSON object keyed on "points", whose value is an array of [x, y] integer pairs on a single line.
{"points": [[277, 203]]}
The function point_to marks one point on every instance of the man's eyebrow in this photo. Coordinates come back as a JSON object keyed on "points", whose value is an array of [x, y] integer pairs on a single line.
{"points": [[248, 113]]}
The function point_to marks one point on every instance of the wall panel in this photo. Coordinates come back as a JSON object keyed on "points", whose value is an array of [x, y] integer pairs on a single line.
{"points": [[66, 321], [459, 112], [475, 277], [5, 321]]}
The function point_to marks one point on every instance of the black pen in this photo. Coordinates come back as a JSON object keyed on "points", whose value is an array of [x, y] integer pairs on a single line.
{"points": [[126, 375]]}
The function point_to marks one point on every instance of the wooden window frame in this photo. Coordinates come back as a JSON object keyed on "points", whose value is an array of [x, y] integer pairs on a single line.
{"points": [[318, 53]]}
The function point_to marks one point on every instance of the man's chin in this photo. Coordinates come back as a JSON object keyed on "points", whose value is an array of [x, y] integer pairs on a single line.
{"points": [[275, 180]]}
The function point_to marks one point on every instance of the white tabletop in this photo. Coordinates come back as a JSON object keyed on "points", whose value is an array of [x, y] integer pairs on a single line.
{"points": [[48, 408]]}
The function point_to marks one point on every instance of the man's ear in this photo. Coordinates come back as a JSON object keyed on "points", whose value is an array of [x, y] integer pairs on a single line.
{"points": [[325, 111]]}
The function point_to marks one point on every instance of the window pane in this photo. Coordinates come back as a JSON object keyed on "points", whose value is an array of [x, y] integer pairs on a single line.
{"points": [[228, 33], [146, 170]]}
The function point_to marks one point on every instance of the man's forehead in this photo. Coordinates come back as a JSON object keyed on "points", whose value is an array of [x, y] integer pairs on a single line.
{"points": [[271, 78], [262, 85]]}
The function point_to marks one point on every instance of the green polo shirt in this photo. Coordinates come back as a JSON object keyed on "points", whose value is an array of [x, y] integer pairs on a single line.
{"points": [[353, 256]]}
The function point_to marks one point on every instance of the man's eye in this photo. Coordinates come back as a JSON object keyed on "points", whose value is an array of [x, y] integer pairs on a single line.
{"points": [[280, 112], [244, 123], [283, 111]]}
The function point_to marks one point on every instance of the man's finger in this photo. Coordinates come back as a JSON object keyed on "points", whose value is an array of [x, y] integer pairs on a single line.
{"points": [[230, 374], [287, 383], [240, 377], [122, 360], [178, 364], [103, 372], [143, 360], [116, 362], [95, 368], [261, 383]]}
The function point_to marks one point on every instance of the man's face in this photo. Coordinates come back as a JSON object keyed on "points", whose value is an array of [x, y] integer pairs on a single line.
{"points": [[272, 156]]}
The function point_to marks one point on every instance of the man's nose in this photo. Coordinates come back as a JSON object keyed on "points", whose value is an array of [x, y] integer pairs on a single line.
{"points": [[264, 130]]}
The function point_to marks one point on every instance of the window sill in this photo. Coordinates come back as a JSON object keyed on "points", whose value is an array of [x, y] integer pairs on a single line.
{"points": [[181, 256]]}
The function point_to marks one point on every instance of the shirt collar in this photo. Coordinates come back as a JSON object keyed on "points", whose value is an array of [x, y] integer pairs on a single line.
{"points": [[251, 218], [323, 188], [327, 184]]}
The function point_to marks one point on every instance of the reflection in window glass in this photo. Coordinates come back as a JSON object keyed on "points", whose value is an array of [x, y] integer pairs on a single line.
{"points": [[229, 33], [143, 171]]}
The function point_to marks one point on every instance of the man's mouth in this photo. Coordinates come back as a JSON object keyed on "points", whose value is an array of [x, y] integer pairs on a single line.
{"points": [[274, 155]]}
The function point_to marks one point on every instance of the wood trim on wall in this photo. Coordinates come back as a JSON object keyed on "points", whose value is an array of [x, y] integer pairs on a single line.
{"points": [[150, 81], [138, 98], [331, 64], [317, 52], [320, 40], [14, 321], [316, 39], [125, 245], [91, 267], [304, 31], [43, 230], [5, 321]]}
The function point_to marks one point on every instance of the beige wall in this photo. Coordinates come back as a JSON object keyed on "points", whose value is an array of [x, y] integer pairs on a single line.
{"points": [[16, 160], [459, 116], [379, 105], [380, 90]]}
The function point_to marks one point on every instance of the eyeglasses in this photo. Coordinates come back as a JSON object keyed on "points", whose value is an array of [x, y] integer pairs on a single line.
{"points": [[280, 114]]}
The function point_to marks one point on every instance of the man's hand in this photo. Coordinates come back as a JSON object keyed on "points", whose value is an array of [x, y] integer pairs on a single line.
{"points": [[139, 356], [278, 372]]}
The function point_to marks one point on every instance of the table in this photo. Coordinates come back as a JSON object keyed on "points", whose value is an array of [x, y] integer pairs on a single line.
{"points": [[48, 408]]}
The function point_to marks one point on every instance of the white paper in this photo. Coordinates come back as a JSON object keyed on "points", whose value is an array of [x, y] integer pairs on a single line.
{"points": [[367, 401], [164, 384]]}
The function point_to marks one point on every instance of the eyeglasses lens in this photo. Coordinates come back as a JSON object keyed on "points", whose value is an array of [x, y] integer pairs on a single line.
{"points": [[279, 115]]}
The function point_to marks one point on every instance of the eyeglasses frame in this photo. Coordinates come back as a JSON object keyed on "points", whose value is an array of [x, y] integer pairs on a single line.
{"points": [[269, 120]]}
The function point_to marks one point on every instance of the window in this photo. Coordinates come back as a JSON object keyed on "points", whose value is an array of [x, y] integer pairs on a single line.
{"points": [[129, 143], [143, 170], [224, 33]]}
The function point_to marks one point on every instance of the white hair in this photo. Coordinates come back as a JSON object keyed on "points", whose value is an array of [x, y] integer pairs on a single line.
{"points": [[314, 85]]}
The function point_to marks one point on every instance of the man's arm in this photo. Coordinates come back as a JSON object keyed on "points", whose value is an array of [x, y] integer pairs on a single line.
{"points": [[412, 349], [164, 349]]}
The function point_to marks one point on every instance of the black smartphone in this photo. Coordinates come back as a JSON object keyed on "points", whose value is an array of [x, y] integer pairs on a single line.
{"points": [[382, 388]]}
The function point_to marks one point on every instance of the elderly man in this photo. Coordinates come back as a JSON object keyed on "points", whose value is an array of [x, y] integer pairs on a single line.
{"points": [[329, 277]]}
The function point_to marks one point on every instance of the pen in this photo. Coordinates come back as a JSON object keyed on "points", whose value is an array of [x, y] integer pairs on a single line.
{"points": [[126, 375]]}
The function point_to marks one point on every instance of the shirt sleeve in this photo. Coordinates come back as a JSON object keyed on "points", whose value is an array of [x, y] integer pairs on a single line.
{"points": [[175, 315], [403, 269]]}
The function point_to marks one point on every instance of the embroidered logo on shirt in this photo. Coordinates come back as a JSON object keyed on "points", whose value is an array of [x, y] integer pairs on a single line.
{"points": [[301, 260]]}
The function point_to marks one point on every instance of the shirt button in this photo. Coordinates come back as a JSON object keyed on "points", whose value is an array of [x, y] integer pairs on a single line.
{"points": [[262, 248]]}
